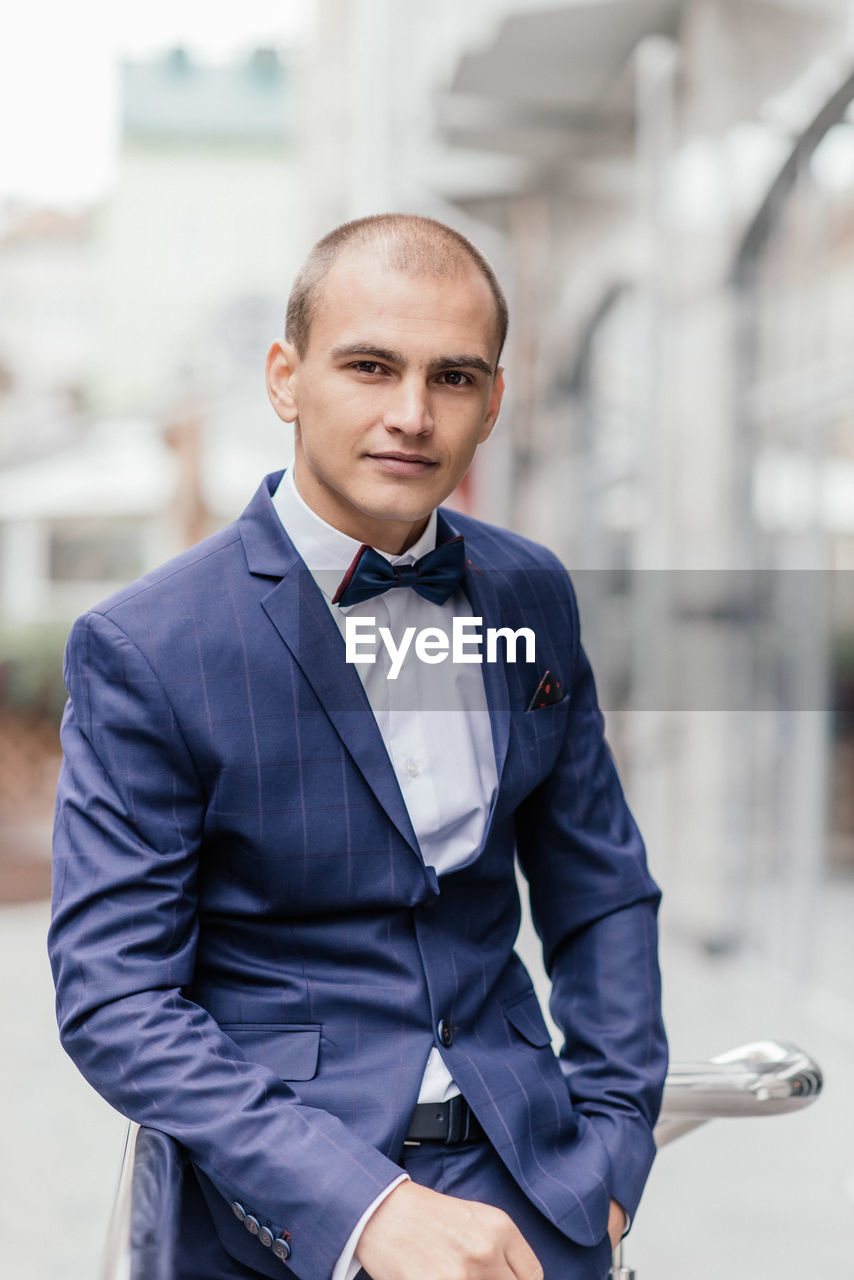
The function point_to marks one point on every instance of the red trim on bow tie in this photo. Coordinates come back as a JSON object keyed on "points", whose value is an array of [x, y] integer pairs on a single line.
{"points": [[345, 581]]}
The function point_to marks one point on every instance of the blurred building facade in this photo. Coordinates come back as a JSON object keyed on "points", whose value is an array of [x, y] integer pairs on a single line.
{"points": [[196, 242], [132, 338], [46, 325]]}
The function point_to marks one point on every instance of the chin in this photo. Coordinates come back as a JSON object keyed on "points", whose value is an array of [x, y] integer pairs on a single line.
{"points": [[415, 509], [401, 517]]}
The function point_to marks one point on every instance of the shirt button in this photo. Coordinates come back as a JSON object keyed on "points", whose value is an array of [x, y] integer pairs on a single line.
{"points": [[238, 1210], [251, 1223], [446, 1035], [265, 1236], [413, 767]]}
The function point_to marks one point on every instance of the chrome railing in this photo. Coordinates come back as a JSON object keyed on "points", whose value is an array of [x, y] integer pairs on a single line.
{"points": [[116, 1261], [761, 1079]]}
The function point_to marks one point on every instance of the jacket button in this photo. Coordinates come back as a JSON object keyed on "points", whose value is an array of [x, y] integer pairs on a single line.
{"points": [[265, 1236], [238, 1210], [252, 1225], [446, 1035], [281, 1249]]}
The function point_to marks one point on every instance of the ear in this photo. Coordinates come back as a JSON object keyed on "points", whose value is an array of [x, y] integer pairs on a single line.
{"points": [[496, 395], [282, 365]]}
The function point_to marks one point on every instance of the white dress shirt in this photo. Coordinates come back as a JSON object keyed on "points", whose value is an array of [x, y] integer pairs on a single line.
{"points": [[434, 722]]}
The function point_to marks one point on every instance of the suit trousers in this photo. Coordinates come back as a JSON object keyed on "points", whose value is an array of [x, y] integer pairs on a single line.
{"points": [[471, 1171]]}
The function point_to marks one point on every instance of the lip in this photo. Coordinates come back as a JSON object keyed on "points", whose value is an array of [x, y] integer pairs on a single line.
{"points": [[403, 464]]}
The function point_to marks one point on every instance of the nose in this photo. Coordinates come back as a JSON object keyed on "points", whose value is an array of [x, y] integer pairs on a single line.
{"points": [[408, 409]]}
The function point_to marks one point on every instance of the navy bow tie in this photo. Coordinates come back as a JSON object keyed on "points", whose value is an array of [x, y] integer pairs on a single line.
{"points": [[435, 576]]}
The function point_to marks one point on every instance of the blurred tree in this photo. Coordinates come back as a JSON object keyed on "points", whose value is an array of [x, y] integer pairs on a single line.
{"points": [[31, 671]]}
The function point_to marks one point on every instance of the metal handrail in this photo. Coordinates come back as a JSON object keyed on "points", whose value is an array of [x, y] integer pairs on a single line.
{"points": [[115, 1264], [765, 1078]]}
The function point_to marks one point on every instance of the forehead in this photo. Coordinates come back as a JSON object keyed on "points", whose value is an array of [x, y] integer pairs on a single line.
{"points": [[423, 314]]}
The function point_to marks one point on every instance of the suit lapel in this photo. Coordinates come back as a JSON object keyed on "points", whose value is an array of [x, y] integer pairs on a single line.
{"points": [[479, 587], [297, 609]]}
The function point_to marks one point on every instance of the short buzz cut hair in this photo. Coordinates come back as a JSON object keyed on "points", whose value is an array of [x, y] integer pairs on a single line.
{"points": [[408, 242]]}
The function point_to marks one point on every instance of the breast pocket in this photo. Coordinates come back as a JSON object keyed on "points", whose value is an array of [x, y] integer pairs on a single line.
{"points": [[544, 721], [290, 1050]]}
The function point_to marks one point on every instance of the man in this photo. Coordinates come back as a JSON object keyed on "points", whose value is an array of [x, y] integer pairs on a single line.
{"points": [[285, 901]]}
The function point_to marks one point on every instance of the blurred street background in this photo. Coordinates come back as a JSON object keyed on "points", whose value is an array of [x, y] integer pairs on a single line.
{"points": [[666, 189]]}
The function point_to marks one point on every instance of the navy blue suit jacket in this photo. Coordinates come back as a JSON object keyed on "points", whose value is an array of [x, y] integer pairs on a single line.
{"points": [[250, 953]]}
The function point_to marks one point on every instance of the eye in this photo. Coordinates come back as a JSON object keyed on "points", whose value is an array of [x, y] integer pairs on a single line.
{"points": [[372, 367], [456, 378]]}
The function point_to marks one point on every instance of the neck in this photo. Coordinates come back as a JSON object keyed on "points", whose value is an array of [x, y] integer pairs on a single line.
{"points": [[392, 536]]}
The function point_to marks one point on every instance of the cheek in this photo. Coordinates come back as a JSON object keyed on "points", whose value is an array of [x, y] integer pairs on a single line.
{"points": [[340, 415], [467, 436]]}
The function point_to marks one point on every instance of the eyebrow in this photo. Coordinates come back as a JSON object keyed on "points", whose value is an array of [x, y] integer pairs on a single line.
{"points": [[368, 351]]}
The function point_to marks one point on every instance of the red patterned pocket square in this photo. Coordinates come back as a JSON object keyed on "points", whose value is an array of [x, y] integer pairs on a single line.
{"points": [[549, 690]]}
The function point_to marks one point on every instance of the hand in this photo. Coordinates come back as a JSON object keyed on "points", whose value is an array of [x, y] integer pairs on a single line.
{"points": [[417, 1232], [616, 1224]]}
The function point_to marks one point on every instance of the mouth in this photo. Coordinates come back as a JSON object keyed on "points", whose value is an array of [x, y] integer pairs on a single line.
{"points": [[403, 464]]}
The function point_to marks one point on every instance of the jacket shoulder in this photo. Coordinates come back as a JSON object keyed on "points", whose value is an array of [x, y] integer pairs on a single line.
{"points": [[188, 569]]}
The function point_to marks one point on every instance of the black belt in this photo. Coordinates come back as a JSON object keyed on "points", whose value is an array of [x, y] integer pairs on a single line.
{"points": [[449, 1122]]}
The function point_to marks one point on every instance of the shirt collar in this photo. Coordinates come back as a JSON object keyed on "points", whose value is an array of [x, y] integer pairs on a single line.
{"points": [[326, 551]]}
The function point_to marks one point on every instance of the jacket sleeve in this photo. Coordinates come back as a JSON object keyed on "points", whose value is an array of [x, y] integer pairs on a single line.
{"points": [[128, 833], [594, 905]]}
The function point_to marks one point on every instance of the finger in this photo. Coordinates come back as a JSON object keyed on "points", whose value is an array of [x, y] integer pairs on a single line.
{"points": [[521, 1259]]}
